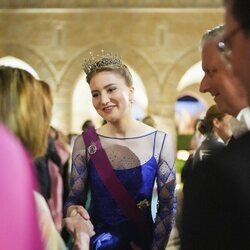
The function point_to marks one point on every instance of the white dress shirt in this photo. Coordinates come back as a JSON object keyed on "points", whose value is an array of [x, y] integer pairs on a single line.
{"points": [[241, 123], [244, 116]]}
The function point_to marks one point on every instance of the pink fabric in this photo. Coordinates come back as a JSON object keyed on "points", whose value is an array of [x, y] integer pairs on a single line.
{"points": [[62, 152], [56, 192], [18, 215]]}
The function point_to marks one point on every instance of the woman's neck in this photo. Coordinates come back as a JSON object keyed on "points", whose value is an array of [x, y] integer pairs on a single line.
{"points": [[126, 128]]}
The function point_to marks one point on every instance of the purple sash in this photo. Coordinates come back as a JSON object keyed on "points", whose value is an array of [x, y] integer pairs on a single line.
{"points": [[112, 183]]}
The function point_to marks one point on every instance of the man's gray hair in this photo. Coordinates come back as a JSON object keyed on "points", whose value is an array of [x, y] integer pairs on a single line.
{"points": [[211, 34]]}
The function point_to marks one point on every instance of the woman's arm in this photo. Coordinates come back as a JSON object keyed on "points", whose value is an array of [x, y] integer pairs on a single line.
{"points": [[166, 181], [50, 236], [78, 179], [78, 185]]}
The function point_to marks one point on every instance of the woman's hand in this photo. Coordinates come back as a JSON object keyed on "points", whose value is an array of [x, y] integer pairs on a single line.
{"points": [[76, 209], [81, 241], [78, 220]]}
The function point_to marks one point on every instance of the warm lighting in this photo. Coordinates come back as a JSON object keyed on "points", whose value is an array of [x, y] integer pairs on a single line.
{"points": [[192, 76], [182, 155], [17, 63]]}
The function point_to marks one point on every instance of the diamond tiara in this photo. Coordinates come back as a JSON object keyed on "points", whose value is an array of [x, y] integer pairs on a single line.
{"points": [[94, 63]]}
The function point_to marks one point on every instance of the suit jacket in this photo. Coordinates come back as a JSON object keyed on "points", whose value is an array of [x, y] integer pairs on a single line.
{"points": [[216, 209], [209, 146]]}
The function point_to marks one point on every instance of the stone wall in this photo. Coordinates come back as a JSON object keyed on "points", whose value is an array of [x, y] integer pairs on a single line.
{"points": [[159, 44], [110, 3]]}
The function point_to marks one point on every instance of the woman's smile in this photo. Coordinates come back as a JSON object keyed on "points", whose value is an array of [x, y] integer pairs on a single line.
{"points": [[109, 109]]}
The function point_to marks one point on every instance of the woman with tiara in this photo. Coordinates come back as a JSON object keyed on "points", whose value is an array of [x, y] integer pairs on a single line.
{"points": [[119, 163]]}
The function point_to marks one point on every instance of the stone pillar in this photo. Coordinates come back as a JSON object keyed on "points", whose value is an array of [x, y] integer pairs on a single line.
{"points": [[164, 115]]}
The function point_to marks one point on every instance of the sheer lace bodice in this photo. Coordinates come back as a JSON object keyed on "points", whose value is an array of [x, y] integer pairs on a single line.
{"points": [[137, 162]]}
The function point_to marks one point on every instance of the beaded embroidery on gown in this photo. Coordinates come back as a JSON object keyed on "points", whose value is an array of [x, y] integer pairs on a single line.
{"points": [[137, 162]]}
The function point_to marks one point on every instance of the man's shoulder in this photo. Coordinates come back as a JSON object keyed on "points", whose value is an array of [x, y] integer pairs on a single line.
{"points": [[239, 144], [229, 159]]}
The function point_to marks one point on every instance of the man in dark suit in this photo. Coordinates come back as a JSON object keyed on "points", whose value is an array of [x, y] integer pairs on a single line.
{"points": [[216, 213]]}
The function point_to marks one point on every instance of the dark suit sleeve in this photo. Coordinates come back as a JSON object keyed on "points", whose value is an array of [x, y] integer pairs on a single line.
{"points": [[217, 201]]}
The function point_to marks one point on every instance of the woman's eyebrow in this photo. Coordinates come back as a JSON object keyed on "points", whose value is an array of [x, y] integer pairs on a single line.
{"points": [[105, 87]]}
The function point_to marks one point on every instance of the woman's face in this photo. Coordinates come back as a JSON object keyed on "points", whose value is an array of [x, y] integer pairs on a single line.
{"points": [[111, 96]]}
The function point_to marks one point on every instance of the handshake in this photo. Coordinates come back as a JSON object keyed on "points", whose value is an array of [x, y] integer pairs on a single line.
{"points": [[79, 226]]}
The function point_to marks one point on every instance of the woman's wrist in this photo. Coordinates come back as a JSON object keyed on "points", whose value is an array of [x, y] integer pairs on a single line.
{"points": [[81, 240]]}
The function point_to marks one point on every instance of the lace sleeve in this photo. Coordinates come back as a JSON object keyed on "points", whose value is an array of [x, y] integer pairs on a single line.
{"points": [[166, 181], [79, 174]]}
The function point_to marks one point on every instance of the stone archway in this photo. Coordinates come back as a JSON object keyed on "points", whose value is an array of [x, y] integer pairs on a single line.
{"points": [[165, 107], [129, 55], [172, 79], [178, 69], [31, 57]]}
